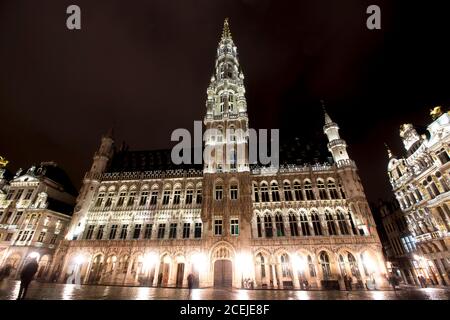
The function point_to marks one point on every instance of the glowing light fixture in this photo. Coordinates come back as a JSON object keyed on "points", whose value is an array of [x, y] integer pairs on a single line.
{"points": [[200, 261]]}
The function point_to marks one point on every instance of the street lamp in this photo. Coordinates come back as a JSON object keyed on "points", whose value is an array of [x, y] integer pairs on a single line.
{"points": [[244, 263], [299, 264]]}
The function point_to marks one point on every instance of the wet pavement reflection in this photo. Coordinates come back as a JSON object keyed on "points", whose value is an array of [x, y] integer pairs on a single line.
{"points": [[52, 291]]}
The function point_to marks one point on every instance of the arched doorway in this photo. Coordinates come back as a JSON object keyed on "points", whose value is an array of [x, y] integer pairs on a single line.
{"points": [[96, 269], [223, 274], [164, 269]]}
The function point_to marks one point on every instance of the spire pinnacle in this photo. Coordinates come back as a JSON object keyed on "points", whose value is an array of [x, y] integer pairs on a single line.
{"points": [[226, 33], [327, 117]]}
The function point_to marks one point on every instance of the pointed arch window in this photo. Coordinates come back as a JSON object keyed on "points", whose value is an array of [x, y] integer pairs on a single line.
{"points": [[308, 190], [285, 265], [264, 192], [342, 223], [279, 224], [353, 266], [262, 264], [325, 265], [342, 265], [352, 224], [293, 225], [259, 226], [312, 267], [332, 189], [298, 191], [268, 228], [305, 225], [330, 224], [275, 193], [255, 192], [316, 224], [322, 191], [287, 191]]}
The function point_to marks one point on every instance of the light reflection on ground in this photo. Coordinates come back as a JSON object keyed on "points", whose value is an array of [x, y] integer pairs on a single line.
{"points": [[50, 291]]}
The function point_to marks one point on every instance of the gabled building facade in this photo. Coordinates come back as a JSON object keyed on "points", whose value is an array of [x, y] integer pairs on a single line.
{"points": [[420, 182]]}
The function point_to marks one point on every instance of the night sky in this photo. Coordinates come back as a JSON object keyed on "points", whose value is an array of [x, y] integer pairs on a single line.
{"points": [[144, 66]]}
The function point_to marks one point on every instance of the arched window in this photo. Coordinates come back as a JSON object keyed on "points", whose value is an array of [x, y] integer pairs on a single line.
{"points": [[353, 266], [262, 264], [234, 192], [131, 197], [305, 225], [312, 267], [325, 264], [279, 225], [293, 225], [298, 191], [316, 224], [122, 195], [109, 199], [332, 189], [285, 266], [308, 190], [342, 223], [330, 224], [258, 226], [218, 192], [366, 271], [342, 266], [268, 228], [100, 198], [166, 196], [322, 191], [264, 192], [176, 195], [255, 192], [275, 193], [287, 191], [352, 224]]}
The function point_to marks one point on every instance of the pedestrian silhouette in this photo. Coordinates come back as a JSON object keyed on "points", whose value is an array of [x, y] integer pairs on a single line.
{"points": [[190, 280], [26, 276]]}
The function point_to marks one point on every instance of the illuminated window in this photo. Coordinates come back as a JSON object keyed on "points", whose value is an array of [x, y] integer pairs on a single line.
{"points": [[218, 227], [219, 192], [285, 265], [234, 227], [234, 192], [325, 264]]}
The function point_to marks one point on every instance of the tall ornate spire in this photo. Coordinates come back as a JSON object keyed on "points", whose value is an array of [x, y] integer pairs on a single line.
{"points": [[226, 33]]}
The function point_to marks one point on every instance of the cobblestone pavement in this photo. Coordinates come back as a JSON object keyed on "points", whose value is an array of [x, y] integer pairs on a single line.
{"points": [[51, 291]]}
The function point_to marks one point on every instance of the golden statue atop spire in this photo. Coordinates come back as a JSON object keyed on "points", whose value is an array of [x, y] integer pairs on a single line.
{"points": [[436, 112], [226, 33], [3, 162]]}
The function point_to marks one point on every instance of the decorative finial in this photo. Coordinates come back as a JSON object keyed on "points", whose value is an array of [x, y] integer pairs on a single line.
{"points": [[226, 33], [3, 162], [388, 151], [436, 112]]}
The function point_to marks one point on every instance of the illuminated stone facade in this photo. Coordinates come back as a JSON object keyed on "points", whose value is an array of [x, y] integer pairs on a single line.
{"points": [[299, 225], [34, 215], [420, 181]]}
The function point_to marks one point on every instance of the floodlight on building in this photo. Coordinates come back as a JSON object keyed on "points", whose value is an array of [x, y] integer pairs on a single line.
{"points": [[299, 263], [200, 261]]}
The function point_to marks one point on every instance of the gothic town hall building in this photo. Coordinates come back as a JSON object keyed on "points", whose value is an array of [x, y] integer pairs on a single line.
{"points": [[138, 222]]}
